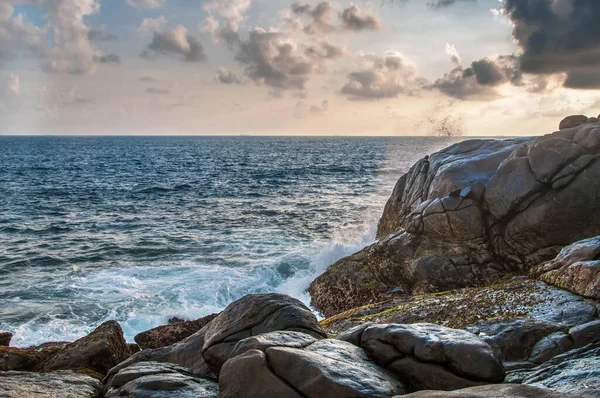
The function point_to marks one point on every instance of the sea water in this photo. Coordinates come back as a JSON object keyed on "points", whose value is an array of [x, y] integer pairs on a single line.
{"points": [[141, 229]]}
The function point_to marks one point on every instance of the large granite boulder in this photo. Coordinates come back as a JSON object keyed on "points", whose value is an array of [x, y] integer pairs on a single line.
{"points": [[572, 121], [575, 372], [158, 380], [576, 268], [253, 315], [204, 352], [172, 333], [472, 214], [60, 384], [431, 357], [99, 351], [492, 391], [326, 368]]}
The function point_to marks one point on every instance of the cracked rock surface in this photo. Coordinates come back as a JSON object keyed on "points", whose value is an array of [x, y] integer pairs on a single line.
{"points": [[473, 213], [59, 384]]}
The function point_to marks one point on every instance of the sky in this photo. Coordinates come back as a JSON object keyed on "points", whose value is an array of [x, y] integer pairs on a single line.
{"points": [[264, 67]]}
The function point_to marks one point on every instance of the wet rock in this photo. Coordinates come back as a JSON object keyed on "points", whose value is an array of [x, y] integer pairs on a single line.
{"points": [[5, 338], [576, 268], [572, 121], [575, 372], [19, 359], [474, 213], [99, 351], [585, 334], [492, 391], [253, 315], [551, 346], [60, 384], [427, 356], [157, 380], [326, 368], [175, 331]]}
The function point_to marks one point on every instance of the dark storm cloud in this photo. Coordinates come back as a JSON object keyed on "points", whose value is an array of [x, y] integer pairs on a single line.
{"points": [[353, 19], [558, 36], [175, 42]]}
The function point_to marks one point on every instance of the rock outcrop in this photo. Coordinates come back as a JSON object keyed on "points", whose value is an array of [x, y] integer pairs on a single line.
{"points": [[576, 268], [172, 333], [472, 214], [158, 380], [326, 368], [5, 338], [572, 121], [99, 351], [492, 391], [60, 384]]}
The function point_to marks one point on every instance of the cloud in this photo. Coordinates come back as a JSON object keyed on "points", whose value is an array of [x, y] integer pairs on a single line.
{"points": [[109, 59], [353, 19], [384, 76], [480, 79], [19, 38], [147, 79], [438, 4], [324, 107], [151, 25], [226, 76], [153, 4], [321, 17], [101, 35], [231, 11], [558, 36], [175, 42], [453, 54]]}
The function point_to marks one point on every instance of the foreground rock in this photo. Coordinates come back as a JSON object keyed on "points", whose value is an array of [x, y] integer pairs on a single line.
{"points": [[204, 352], [5, 338], [326, 368], [28, 359], [576, 372], [492, 391], [576, 268], [172, 333], [572, 121], [48, 385], [157, 380], [431, 357], [99, 351], [472, 214]]}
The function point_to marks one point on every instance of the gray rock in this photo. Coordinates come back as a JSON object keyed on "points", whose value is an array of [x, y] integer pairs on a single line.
{"points": [[157, 380], [62, 384], [572, 121], [19, 359], [551, 346], [585, 334], [253, 315], [99, 351], [5, 338], [473, 213], [354, 334], [576, 372], [326, 368], [273, 339], [576, 268], [172, 333], [491, 391], [415, 352]]}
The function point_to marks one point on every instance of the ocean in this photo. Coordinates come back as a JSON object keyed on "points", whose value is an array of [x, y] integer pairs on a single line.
{"points": [[142, 229]]}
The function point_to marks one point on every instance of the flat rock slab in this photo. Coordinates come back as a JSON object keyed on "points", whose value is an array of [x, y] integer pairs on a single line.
{"points": [[492, 391], [61, 384], [158, 380]]}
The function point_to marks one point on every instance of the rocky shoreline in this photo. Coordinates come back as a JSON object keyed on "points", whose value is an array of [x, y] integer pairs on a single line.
{"points": [[485, 282]]}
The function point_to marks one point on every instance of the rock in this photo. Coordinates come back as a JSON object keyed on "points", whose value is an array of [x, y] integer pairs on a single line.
{"points": [[551, 346], [326, 368], [253, 315], [492, 391], [576, 372], [63, 384], [427, 356], [572, 121], [585, 334], [5, 338], [99, 351], [472, 214], [133, 348], [576, 268], [273, 339], [19, 359], [157, 380], [166, 335]]}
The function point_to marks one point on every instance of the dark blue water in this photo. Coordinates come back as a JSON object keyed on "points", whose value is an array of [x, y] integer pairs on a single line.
{"points": [[140, 229]]}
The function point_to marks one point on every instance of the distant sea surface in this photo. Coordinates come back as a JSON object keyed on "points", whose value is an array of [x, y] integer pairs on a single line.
{"points": [[141, 229]]}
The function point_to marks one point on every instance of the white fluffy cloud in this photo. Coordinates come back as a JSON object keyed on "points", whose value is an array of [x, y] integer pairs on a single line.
{"points": [[151, 25], [153, 4]]}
